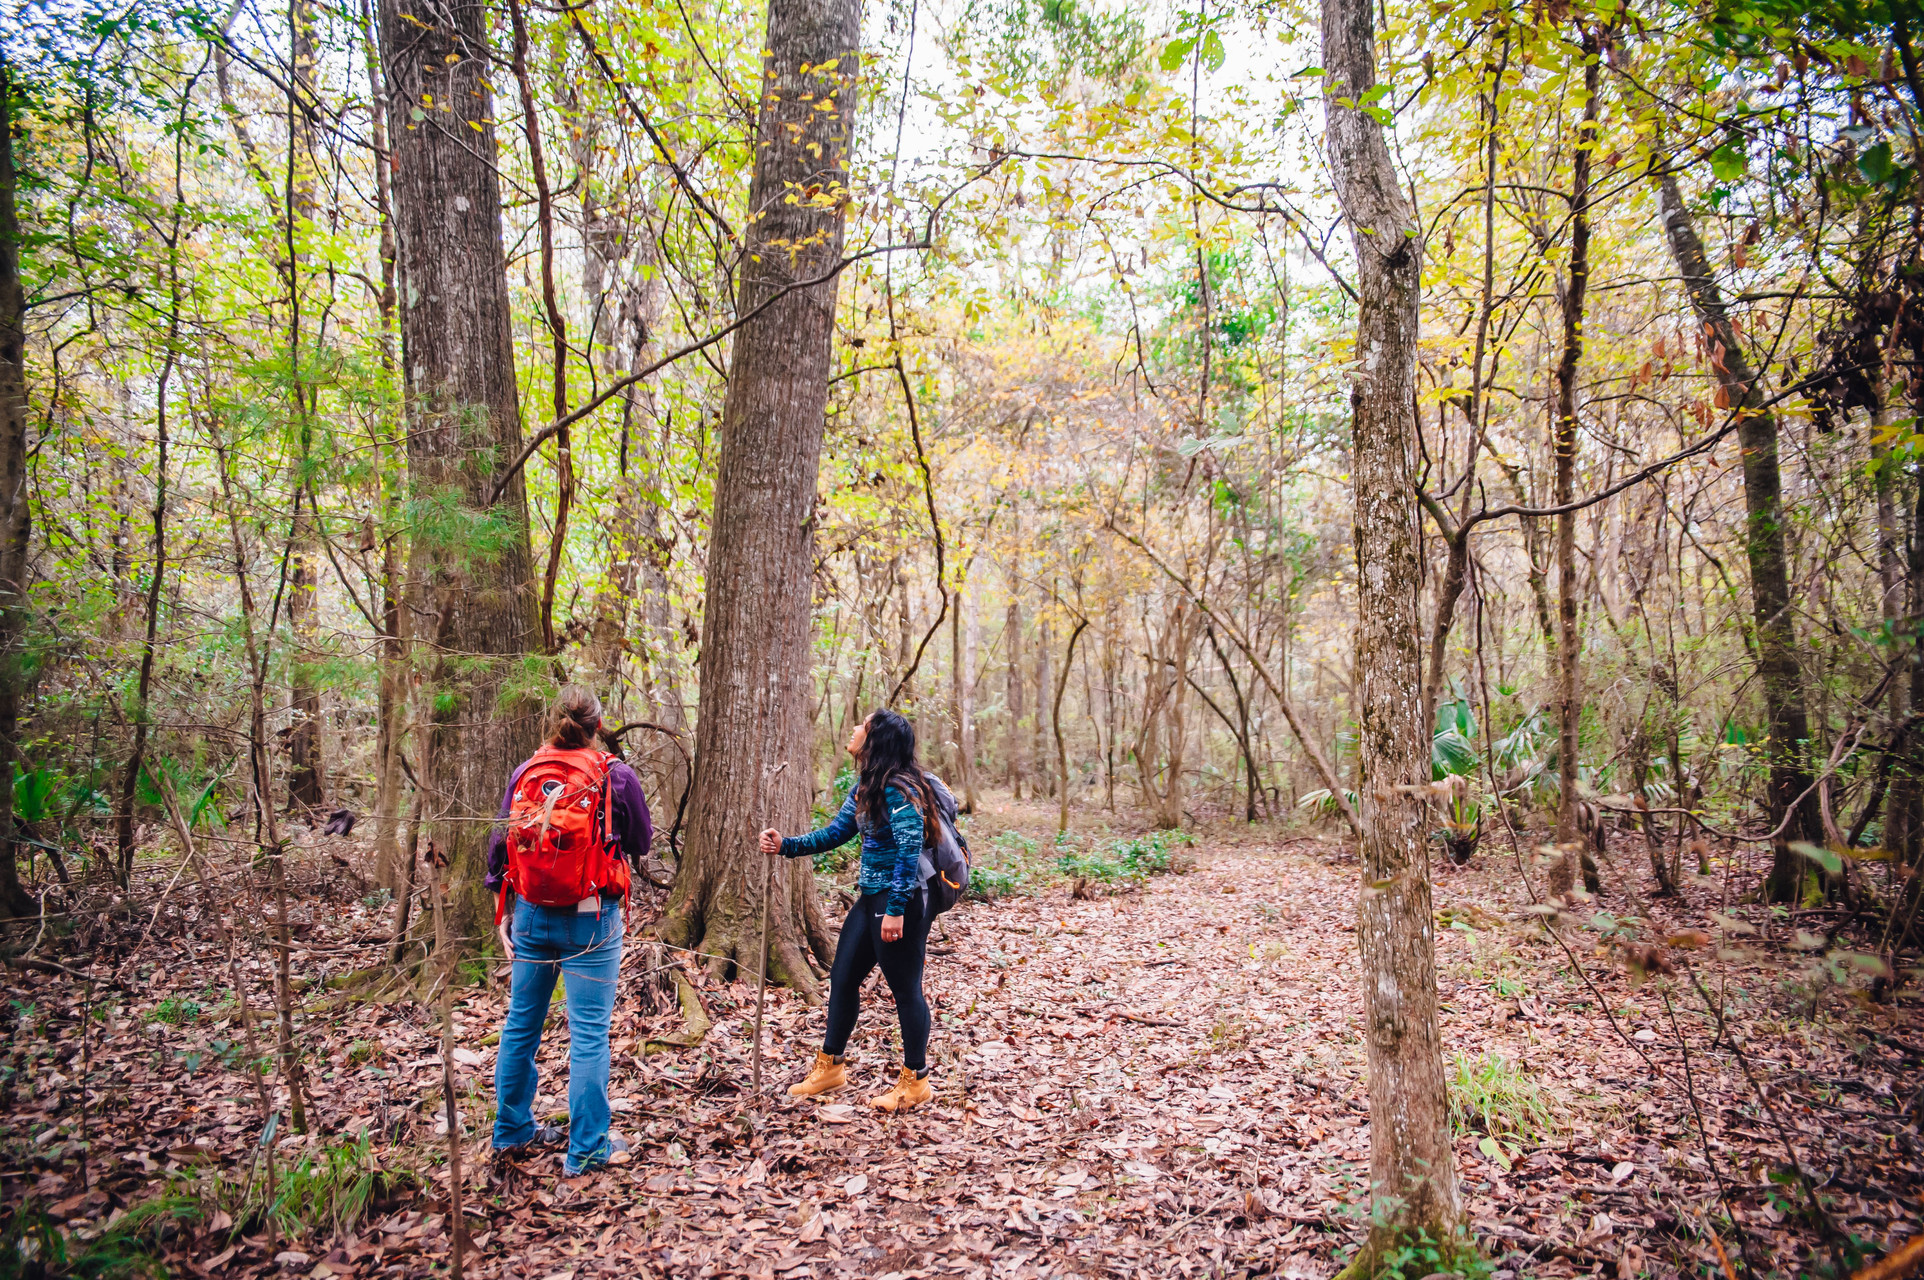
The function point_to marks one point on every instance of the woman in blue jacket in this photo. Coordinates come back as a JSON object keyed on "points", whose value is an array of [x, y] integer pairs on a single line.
{"points": [[889, 926]]}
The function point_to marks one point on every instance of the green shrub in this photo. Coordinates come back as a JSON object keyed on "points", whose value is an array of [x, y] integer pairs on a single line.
{"points": [[1136, 859], [176, 1011], [327, 1190], [1004, 865], [1490, 1095], [989, 883]]}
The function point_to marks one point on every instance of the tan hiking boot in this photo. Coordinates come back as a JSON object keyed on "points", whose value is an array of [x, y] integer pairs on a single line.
{"points": [[826, 1076], [910, 1091]]}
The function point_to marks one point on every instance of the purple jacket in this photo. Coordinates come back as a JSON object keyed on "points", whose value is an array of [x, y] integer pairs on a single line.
{"points": [[634, 830]]}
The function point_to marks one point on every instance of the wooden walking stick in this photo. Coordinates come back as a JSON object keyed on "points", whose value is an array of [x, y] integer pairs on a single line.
{"points": [[761, 991]]}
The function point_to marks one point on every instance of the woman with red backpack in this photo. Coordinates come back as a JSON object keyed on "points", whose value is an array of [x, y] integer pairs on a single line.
{"points": [[889, 925], [574, 820]]}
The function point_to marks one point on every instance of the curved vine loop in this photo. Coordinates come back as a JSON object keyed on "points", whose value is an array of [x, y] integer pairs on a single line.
{"points": [[613, 738]]}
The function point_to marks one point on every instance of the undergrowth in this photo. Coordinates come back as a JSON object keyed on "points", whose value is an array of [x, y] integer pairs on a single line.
{"points": [[327, 1190], [1124, 860], [1490, 1095], [1003, 866], [32, 1245]]}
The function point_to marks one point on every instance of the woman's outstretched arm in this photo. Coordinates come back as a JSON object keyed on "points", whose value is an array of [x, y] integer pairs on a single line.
{"points": [[838, 832]]}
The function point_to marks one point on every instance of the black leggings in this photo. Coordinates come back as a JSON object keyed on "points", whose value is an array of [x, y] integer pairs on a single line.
{"points": [[857, 953]]}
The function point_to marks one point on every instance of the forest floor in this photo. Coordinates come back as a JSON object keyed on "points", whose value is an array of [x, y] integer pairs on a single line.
{"points": [[1162, 1078]]}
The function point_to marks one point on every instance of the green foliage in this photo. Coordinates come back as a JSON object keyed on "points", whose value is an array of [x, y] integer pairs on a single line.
{"points": [[31, 789], [1490, 1095], [32, 1245], [1122, 860], [1419, 1254], [1005, 865], [329, 1189], [1453, 739], [987, 883], [176, 1011]]}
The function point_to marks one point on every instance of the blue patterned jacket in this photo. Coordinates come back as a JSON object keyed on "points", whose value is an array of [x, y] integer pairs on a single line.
{"points": [[891, 856]]}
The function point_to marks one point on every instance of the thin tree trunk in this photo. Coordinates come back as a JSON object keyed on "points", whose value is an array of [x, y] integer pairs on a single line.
{"points": [[1055, 720], [395, 619], [970, 640], [753, 739], [1886, 476], [1110, 675], [1043, 784], [1175, 724], [1013, 744], [14, 510], [260, 779], [557, 327], [464, 423], [1240, 726], [1412, 1164], [306, 778], [137, 758], [1779, 674], [1569, 697], [395, 612], [958, 714], [1456, 531]]}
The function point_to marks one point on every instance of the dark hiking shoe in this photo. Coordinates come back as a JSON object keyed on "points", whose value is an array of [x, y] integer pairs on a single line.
{"points": [[617, 1154], [545, 1135]]}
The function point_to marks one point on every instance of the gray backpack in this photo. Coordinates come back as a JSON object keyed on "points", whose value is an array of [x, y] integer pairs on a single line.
{"points": [[945, 854]]}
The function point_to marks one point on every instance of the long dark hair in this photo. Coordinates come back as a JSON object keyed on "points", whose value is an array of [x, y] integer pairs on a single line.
{"points": [[888, 760]]}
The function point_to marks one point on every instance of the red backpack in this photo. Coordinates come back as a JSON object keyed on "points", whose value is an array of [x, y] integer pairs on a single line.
{"points": [[561, 830]]}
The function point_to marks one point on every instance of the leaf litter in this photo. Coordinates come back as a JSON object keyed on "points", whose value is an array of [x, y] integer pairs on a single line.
{"points": [[1163, 1080]]}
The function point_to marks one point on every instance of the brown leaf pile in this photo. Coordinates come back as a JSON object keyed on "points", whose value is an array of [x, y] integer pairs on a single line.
{"points": [[1160, 1082]]}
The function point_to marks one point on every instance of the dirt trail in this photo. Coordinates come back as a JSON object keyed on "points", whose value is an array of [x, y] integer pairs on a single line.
{"points": [[1170, 1082]]}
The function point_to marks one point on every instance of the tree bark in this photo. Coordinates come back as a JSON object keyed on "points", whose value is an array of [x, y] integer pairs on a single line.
{"points": [[1175, 725], [1569, 697], [1015, 755], [1043, 782], [1055, 722], [392, 700], [753, 738], [14, 511], [961, 670], [1412, 1166], [1777, 669], [1239, 727], [557, 327], [306, 778], [471, 564]]}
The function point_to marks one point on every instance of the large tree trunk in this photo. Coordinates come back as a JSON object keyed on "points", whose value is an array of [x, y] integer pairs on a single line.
{"points": [[1569, 696], [1777, 668], [1412, 1166], [472, 565], [753, 738], [14, 899]]}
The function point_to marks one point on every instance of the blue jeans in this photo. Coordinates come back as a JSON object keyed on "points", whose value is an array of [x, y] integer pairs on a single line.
{"points": [[585, 946]]}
